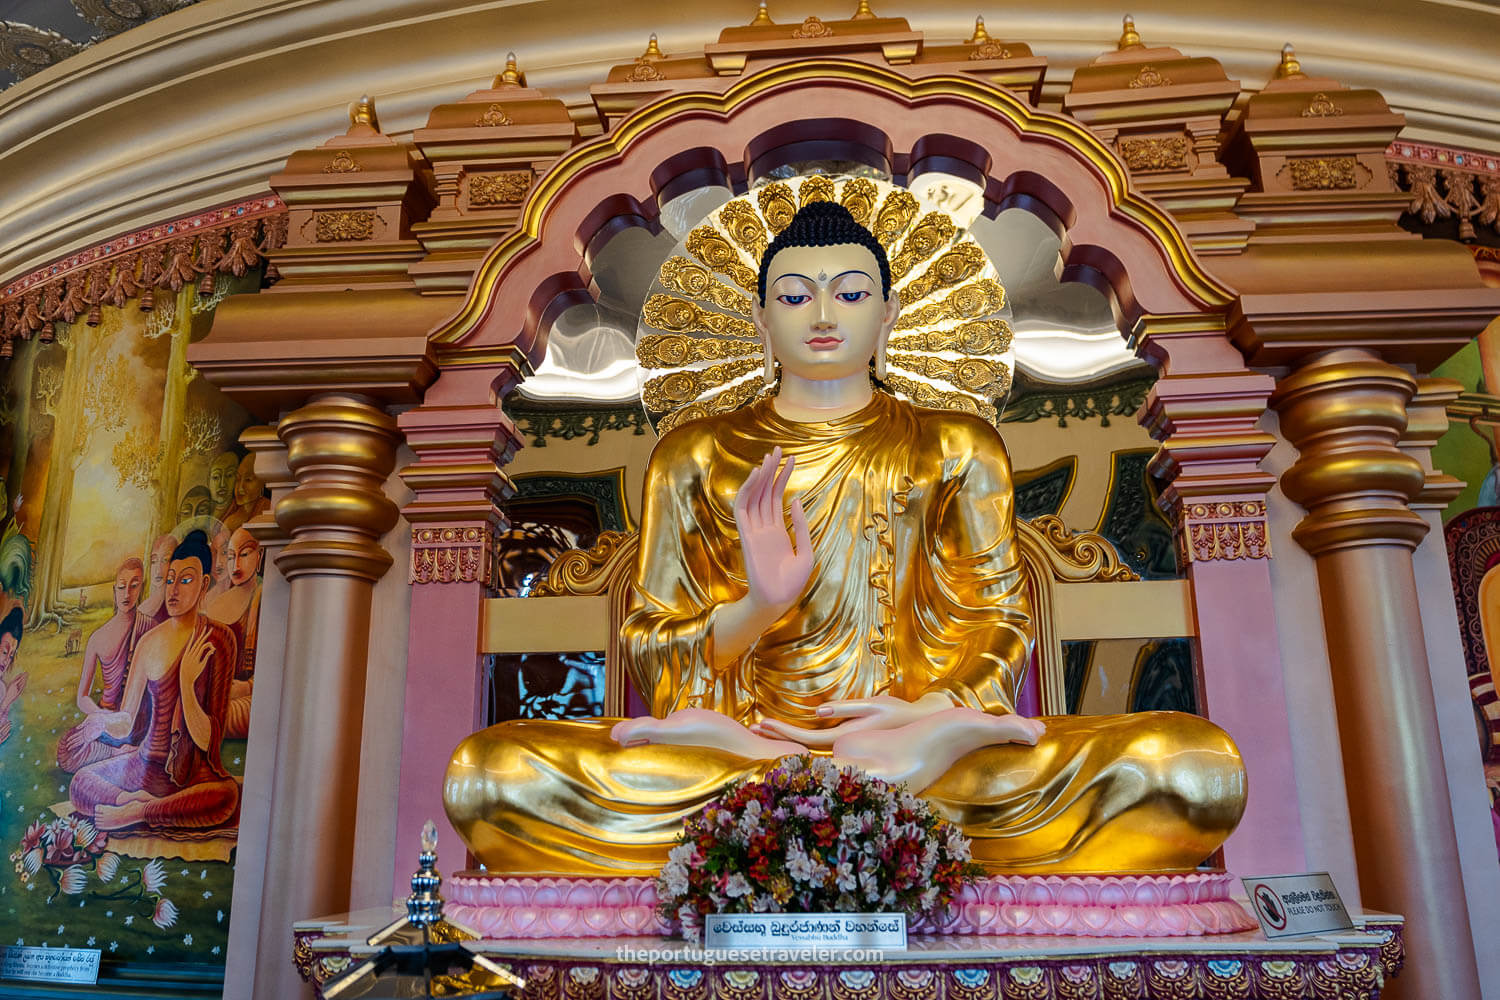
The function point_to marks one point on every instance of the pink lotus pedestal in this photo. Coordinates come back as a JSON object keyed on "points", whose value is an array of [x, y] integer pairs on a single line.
{"points": [[1119, 906]]}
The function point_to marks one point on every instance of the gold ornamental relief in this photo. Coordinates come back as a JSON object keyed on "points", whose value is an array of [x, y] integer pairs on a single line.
{"points": [[343, 163], [778, 204], [895, 215], [812, 27], [681, 316], [508, 187], [718, 254], [667, 392], [818, 187], [344, 226], [730, 399], [957, 265], [859, 198], [1149, 76], [979, 299], [696, 281], [979, 376], [978, 337], [989, 50], [493, 117], [1321, 107], [1323, 173], [1161, 153], [672, 350], [744, 227], [930, 235]]}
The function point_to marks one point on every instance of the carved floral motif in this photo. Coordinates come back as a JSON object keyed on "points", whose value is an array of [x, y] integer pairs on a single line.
{"points": [[344, 226], [1225, 529], [644, 72], [494, 116], [343, 162], [1150, 76], [450, 554], [1158, 153], [508, 187], [989, 50], [1322, 173], [812, 27], [1321, 107]]}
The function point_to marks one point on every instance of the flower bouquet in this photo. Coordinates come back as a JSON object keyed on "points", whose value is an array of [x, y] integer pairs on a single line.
{"points": [[69, 850], [813, 838]]}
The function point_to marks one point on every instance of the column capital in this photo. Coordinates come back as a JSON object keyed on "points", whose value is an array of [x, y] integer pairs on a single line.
{"points": [[1346, 410], [340, 449]]}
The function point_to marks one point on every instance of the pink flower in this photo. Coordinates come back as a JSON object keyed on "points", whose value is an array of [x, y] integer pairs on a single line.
{"points": [[154, 876], [73, 880], [165, 914]]}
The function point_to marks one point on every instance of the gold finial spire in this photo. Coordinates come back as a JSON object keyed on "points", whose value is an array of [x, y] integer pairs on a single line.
{"points": [[863, 12], [1289, 65], [653, 51], [1129, 38], [980, 36], [512, 76], [762, 16], [362, 112]]}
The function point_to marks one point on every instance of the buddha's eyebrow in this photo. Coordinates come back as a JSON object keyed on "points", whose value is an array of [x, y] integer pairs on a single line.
{"points": [[810, 281]]}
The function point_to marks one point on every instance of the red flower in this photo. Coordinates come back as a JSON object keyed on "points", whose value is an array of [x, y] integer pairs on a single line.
{"points": [[825, 832]]}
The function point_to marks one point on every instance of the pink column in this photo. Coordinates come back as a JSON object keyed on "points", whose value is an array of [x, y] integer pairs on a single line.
{"points": [[1204, 409], [455, 519]]}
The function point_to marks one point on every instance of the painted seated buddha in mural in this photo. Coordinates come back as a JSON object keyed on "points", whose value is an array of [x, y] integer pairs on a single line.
{"points": [[831, 568], [180, 679]]}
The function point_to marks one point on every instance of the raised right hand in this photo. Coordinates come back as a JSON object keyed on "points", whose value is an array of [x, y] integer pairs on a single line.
{"points": [[777, 572]]}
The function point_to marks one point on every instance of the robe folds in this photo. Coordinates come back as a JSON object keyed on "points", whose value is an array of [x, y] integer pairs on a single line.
{"points": [[917, 586]]}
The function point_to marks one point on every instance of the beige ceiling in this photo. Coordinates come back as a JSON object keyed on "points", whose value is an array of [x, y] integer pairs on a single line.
{"points": [[203, 104]]}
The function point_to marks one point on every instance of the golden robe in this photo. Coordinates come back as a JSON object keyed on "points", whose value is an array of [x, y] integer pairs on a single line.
{"points": [[917, 586]]}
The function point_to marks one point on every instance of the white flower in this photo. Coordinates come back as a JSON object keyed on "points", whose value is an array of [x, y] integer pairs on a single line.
{"points": [[90, 941], [203, 874], [208, 895], [59, 928], [221, 916], [165, 914], [73, 880], [107, 865], [151, 949], [113, 945], [154, 875], [32, 862], [215, 950], [187, 939], [129, 919], [737, 886]]}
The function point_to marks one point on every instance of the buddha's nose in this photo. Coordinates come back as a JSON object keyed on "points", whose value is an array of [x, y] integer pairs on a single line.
{"points": [[824, 319]]}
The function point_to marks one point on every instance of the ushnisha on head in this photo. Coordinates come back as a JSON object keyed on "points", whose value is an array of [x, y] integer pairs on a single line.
{"points": [[825, 308]]}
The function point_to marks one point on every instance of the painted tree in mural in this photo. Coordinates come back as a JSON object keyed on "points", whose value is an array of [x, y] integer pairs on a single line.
{"points": [[80, 391]]}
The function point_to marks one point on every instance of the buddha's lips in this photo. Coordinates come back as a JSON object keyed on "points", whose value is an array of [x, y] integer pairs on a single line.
{"points": [[824, 343]]}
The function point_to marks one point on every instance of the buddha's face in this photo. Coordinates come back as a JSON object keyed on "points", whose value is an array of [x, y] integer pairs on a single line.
{"points": [[186, 583], [127, 589], [244, 557], [824, 317]]}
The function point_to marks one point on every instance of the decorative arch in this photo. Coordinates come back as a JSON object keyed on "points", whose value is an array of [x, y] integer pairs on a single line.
{"points": [[1113, 237]]}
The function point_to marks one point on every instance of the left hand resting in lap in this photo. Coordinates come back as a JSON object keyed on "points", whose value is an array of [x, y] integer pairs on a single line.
{"points": [[861, 715], [919, 752], [700, 727]]}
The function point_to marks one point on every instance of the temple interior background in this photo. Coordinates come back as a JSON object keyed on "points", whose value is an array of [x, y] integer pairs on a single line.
{"points": [[217, 217]]}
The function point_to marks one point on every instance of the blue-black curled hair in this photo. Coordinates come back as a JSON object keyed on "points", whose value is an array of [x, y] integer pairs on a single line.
{"points": [[825, 224], [195, 546]]}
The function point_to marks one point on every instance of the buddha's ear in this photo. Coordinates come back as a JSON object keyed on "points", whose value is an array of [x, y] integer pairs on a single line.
{"points": [[758, 319], [887, 324]]}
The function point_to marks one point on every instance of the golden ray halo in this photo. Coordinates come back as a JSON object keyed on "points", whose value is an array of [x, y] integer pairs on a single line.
{"points": [[952, 348]]}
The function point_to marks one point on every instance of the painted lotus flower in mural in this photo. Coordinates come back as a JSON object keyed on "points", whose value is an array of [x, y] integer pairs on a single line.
{"points": [[73, 853]]}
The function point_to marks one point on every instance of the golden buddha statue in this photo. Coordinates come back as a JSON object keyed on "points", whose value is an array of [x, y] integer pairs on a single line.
{"points": [[831, 568]]}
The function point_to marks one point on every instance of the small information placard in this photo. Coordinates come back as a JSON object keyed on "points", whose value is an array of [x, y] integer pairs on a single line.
{"points": [[753, 931], [51, 965], [1291, 905]]}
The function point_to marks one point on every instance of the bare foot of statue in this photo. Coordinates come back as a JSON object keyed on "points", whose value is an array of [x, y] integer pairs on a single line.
{"points": [[919, 753], [700, 727]]}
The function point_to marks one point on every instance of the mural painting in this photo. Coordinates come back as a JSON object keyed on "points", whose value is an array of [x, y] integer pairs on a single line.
{"points": [[131, 596], [1471, 527]]}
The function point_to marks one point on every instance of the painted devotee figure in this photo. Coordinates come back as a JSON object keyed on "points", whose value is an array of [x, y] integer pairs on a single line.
{"points": [[250, 498], [239, 608], [106, 655], [154, 607], [889, 626], [221, 482], [11, 685], [196, 502], [173, 782]]}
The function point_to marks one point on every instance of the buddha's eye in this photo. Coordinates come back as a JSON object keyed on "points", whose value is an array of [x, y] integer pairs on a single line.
{"points": [[792, 300], [859, 296]]}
